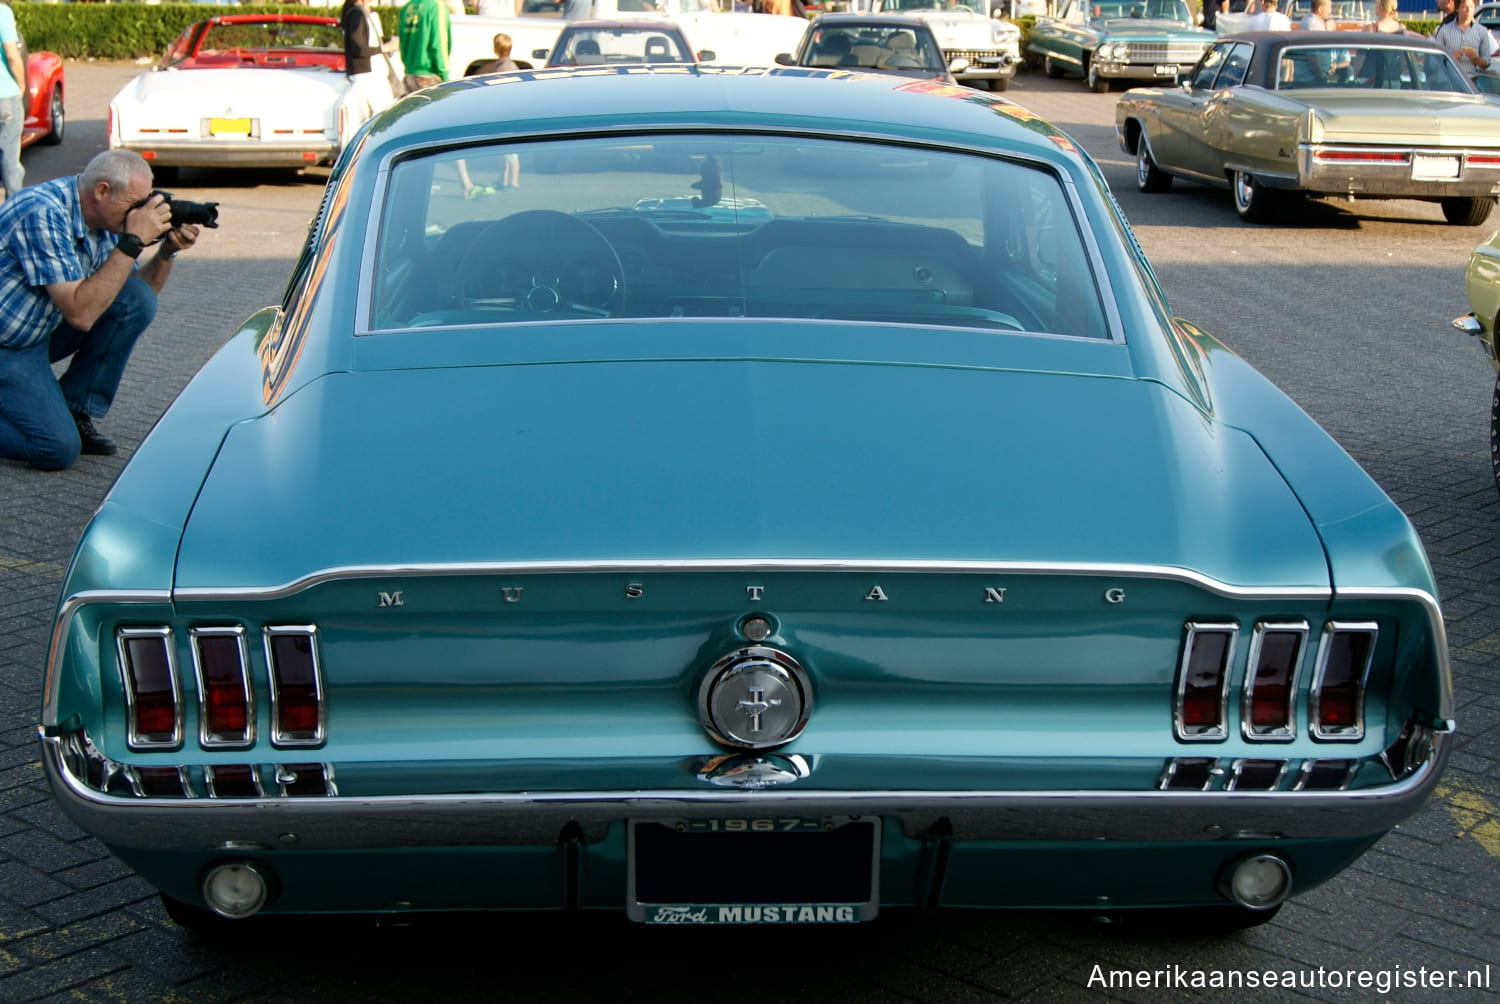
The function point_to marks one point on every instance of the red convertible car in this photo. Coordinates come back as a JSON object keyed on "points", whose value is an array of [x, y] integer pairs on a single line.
{"points": [[44, 98]]}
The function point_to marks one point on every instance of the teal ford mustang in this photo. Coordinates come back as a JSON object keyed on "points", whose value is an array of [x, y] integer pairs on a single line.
{"points": [[791, 499]]}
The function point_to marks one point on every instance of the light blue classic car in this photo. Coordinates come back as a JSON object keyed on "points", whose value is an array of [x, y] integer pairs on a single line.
{"points": [[1109, 40], [794, 500]]}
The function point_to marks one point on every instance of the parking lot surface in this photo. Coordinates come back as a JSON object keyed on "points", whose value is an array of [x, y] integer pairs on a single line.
{"points": [[1346, 307]]}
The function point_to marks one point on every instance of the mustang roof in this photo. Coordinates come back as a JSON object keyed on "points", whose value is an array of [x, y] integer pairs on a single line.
{"points": [[577, 99]]}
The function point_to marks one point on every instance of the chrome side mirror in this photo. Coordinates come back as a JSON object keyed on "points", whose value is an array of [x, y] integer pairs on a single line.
{"points": [[1468, 324]]}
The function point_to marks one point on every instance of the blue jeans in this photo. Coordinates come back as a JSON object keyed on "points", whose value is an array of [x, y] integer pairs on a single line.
{"points": [[36, 420], [12, 121]]}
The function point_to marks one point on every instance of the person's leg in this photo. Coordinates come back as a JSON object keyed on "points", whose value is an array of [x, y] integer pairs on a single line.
{"points": [[12, 122], [100, 354], [34, 422]]}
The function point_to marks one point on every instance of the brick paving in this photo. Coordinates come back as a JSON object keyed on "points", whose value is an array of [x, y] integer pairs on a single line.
{"points": [[1346, 311]]}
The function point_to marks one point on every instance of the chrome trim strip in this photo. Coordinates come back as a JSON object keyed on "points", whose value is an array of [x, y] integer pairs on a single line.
{"points": [[132, 738], [247, 738], [1204, 733], [65, 613], [279, 738], [1077, 568], [537, 818], [1355, 732], [1435, 624], [1287, 730]]}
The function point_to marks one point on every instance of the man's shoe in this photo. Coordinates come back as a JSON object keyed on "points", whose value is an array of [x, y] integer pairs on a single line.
{"points": [[93, 441]]}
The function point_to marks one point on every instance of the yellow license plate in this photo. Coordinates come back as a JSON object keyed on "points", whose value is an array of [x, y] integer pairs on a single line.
{"points": [[229, 127]]}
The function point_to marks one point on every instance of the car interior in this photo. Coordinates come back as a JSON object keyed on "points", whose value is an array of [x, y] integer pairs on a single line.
{"points": [[751, 227]]}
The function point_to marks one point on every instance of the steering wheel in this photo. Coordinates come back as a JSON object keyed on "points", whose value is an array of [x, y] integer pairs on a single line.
{"points": [[542, 261]]}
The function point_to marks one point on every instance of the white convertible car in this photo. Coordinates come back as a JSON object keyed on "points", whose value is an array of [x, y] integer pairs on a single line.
{"points": [[242, 90], [992, 47]]}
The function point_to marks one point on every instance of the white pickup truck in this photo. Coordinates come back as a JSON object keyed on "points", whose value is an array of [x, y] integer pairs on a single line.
{"points": [[734, 38]]}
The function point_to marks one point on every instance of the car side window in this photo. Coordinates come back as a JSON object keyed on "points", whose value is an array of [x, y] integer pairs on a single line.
{"points": [[1236, 65], [1208, 68]]}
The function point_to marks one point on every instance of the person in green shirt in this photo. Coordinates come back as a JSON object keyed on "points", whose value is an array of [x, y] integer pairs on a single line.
{"points": [[426, 39]]}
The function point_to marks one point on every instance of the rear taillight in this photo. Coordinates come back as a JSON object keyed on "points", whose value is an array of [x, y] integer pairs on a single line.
{"points": [[1336, 701], [305, 780], [1203, 682], [1268, 707], [296, 680], [159, 782], [226, 704], [152, 698], [233, 780]]}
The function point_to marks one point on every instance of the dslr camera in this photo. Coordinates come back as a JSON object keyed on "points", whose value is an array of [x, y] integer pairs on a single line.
{"points": [[202, 213]]}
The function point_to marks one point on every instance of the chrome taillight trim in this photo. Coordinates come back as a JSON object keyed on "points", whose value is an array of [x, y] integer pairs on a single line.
{"points": [[133, 739], [205, 738], [1355, 732], [138, 786], [1287, 730], [288, 775], [1209, 765], [279, 738], [1305, 773], [1197, 734], [210, 782], [1237, 772]]}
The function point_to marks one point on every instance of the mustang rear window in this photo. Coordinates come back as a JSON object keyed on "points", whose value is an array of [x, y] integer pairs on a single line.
{"points": [[729, 227]]}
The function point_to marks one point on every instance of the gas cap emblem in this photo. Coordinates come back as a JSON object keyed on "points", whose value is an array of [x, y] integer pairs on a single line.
{"points": [[756, 698]]}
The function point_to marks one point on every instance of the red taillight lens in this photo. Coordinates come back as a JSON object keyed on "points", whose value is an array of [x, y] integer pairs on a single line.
{"points": [[160, 782], [296, 687], [1202, 678], [151, 692], [1338, 691], [226, 707], [1361, 156], [234, 780], [1271, 679]]}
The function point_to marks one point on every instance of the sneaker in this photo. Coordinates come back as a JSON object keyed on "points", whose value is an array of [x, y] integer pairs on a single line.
{"points": [[479, 192], [93, 441]]}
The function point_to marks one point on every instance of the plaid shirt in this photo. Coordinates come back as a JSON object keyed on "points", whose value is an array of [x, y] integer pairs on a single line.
{"points": [[43, 240]]}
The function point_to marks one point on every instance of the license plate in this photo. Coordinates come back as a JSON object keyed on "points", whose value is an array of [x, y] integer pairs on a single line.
{"points": [[1425, 168], [754, 870], [1167, 70], [229, 127]]}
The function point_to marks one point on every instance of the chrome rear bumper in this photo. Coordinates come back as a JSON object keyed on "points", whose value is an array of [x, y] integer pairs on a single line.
{"points": [[536, 819]]}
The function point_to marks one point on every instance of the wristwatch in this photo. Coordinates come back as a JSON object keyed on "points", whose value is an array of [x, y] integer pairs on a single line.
{"points": [[130, 245]]}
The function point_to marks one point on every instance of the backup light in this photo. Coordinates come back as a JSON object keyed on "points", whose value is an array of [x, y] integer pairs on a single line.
{"points": [[236, 889], [1261, 882]]}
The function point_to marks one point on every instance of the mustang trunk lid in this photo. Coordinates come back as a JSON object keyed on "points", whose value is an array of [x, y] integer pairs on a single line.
{"points": [[705, 460]]}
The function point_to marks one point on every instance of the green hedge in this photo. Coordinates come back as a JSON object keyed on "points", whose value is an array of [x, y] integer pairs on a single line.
{"points": [[134, 30]]}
